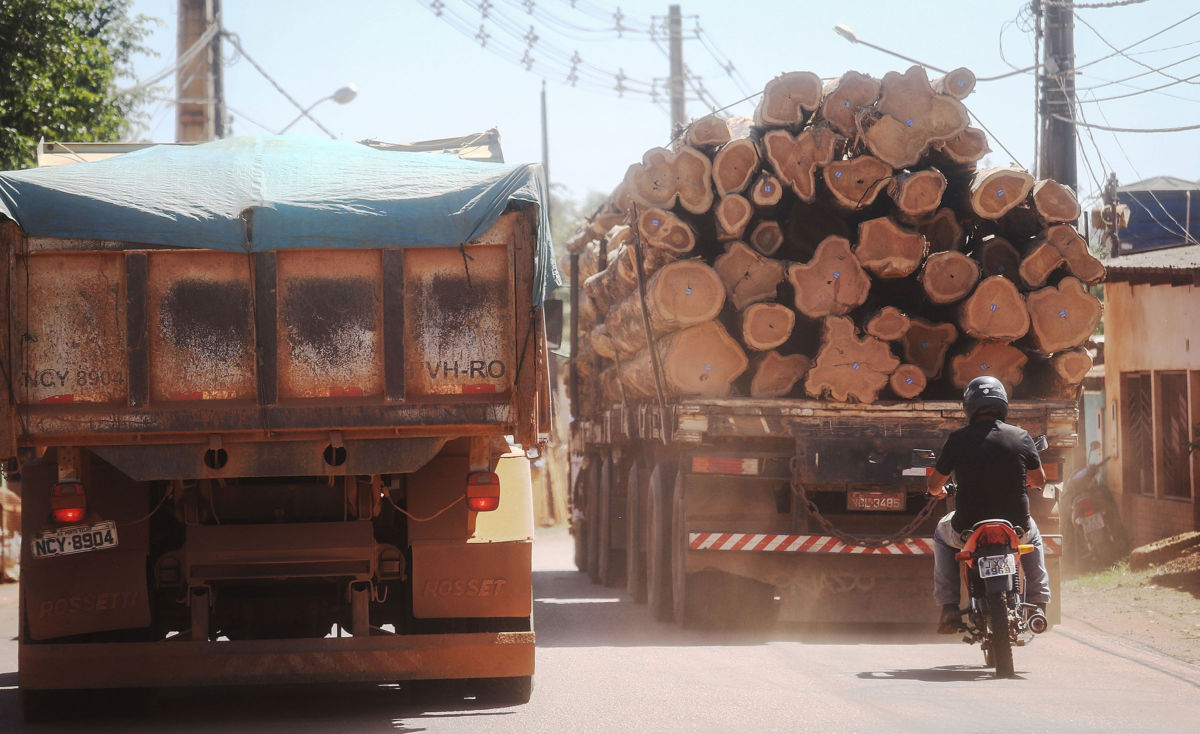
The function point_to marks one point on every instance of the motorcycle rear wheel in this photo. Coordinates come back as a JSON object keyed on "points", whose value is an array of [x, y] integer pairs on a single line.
{"points": [[1001, 644]]}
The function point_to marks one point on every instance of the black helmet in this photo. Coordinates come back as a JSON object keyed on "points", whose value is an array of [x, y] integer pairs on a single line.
{"points": [[985, 395]]}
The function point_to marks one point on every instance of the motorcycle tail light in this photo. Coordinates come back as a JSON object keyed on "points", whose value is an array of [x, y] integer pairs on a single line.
{"points": [[483, 491], [1085, 506], [68, 502], [993, 535]]}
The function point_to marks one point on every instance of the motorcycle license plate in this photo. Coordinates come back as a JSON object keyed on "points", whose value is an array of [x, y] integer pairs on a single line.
{"points": [[76, 539], [1093, 522], [990, 566], [876, 501]]}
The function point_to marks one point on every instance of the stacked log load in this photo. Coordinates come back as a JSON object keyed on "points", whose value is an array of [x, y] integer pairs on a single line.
{"points": [[845, 246]]}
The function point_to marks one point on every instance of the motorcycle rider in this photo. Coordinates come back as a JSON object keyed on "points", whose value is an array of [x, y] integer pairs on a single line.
{"points": [[993, 462]]}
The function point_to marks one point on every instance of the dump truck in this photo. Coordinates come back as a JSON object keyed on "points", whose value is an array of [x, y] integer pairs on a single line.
{"points": [[267, 402]]}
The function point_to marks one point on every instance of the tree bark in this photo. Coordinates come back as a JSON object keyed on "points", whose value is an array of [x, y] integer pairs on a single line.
{"points": [[664, 178], [767, 237], [796, 158], [1055, 202], [1062, 317], [855, 183], [888, 250], [917, 193], [957, 83], [844, 97], [925, 345], [995, 311], [830, 284], [735, 166], [949, 276], [889, 324], [997, 256], [775, 375], [908, 381], [733, 213], [701, 360], [766, 326], [788, 99], [707, 133], [996, 191], [849, 367], [749, 277], [996, 359]]}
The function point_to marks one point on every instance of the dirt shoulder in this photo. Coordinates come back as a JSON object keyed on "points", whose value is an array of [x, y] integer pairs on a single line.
{"points": [[1158, 607]]}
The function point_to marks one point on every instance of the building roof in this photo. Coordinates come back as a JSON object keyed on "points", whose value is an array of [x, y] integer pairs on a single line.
{"points": [[1161, 183], [1170, 266]]}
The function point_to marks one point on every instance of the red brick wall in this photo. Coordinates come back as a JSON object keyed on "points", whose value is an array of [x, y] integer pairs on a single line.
{"points": [[1148, 519]]}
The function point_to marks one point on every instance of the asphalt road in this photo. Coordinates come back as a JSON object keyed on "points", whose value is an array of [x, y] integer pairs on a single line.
{"points": [[604, 666]]}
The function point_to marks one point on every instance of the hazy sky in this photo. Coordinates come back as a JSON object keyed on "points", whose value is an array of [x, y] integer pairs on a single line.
{"points": [[419, 77]]}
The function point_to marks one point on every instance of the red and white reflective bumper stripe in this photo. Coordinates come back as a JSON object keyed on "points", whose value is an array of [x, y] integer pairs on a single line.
{"points": [[780, 543]]}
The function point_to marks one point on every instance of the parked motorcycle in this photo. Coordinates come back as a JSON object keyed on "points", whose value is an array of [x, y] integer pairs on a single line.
{"points": [[1094, 536], [996, 616]]}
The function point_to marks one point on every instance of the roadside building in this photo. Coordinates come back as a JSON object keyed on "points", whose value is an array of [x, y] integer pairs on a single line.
{"points": [[1152, 389]]}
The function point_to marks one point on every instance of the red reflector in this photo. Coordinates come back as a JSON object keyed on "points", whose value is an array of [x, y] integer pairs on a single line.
{"points": [[345, 392], [483, 491], [58, 399], [993, 535], [480, 389], [724, 465], [69, 514]]}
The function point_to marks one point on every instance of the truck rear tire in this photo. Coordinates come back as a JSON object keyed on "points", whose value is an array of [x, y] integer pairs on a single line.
{"points": [[592, 516], [658, 562], [635, 551], [611, 559], [579, 519]]}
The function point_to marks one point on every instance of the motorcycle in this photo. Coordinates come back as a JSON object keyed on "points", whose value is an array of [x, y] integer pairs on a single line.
{"points": [[996, 616], [1094, 537]]}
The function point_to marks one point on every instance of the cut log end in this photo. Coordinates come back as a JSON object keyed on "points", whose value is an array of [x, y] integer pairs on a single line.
{"points": [[766, 326], [889, 324], [888, 250], [849, 368], [749, 276], [708, 133], [855, 183], [1062, 317], [787, 99], [767, 237], [735, 166], [1003, 361], [832, 283], [776, 375], [957, 83], [949, 276], [917, 193], [733, 213], [926, 343], [996, 191], [908, 381], [1055, 202]]}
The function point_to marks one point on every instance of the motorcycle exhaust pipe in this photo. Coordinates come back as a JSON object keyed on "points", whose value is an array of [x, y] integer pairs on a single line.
{"points": [[1038, 623]]}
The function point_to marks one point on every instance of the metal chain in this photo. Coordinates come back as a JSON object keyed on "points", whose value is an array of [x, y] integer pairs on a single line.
{"points": [[831, 529]]}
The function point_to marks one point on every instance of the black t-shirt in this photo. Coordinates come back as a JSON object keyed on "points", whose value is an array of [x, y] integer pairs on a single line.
{"points": [[989, 459]]}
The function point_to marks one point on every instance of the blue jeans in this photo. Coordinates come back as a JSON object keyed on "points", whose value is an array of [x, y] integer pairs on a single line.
{"points": [[946, 576]]}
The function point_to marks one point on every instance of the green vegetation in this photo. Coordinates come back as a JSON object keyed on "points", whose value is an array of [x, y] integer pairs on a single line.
{"points": [[62, 60]]}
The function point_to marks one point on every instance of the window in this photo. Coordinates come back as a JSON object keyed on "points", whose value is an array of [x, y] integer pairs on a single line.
{"points": [[1174, 433], [1137, 433]]}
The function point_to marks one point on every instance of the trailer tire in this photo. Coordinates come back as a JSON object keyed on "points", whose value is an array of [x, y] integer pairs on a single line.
{"points": [[635, 550], [592, 517], [611, 570], [658, 525], [579, 519], [689, 591]]}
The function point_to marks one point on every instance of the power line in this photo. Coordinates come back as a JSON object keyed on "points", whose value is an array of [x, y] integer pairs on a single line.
{"points": [[1122, 53], [237, 43], [1148, 91], [1180, 129]]}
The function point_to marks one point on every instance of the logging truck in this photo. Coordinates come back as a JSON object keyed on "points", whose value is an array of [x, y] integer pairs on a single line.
{"points": [[262, 402], [771, 316]]}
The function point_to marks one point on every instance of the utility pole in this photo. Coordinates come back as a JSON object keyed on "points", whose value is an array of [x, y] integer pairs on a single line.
{"points": [[675, 82], [194, 118], [220, 116], [1057, 154]]}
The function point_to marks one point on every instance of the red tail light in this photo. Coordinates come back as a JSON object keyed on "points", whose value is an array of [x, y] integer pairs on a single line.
{"points": [[483, 491], [994, 535], [1085, 506], [68, 502]]}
